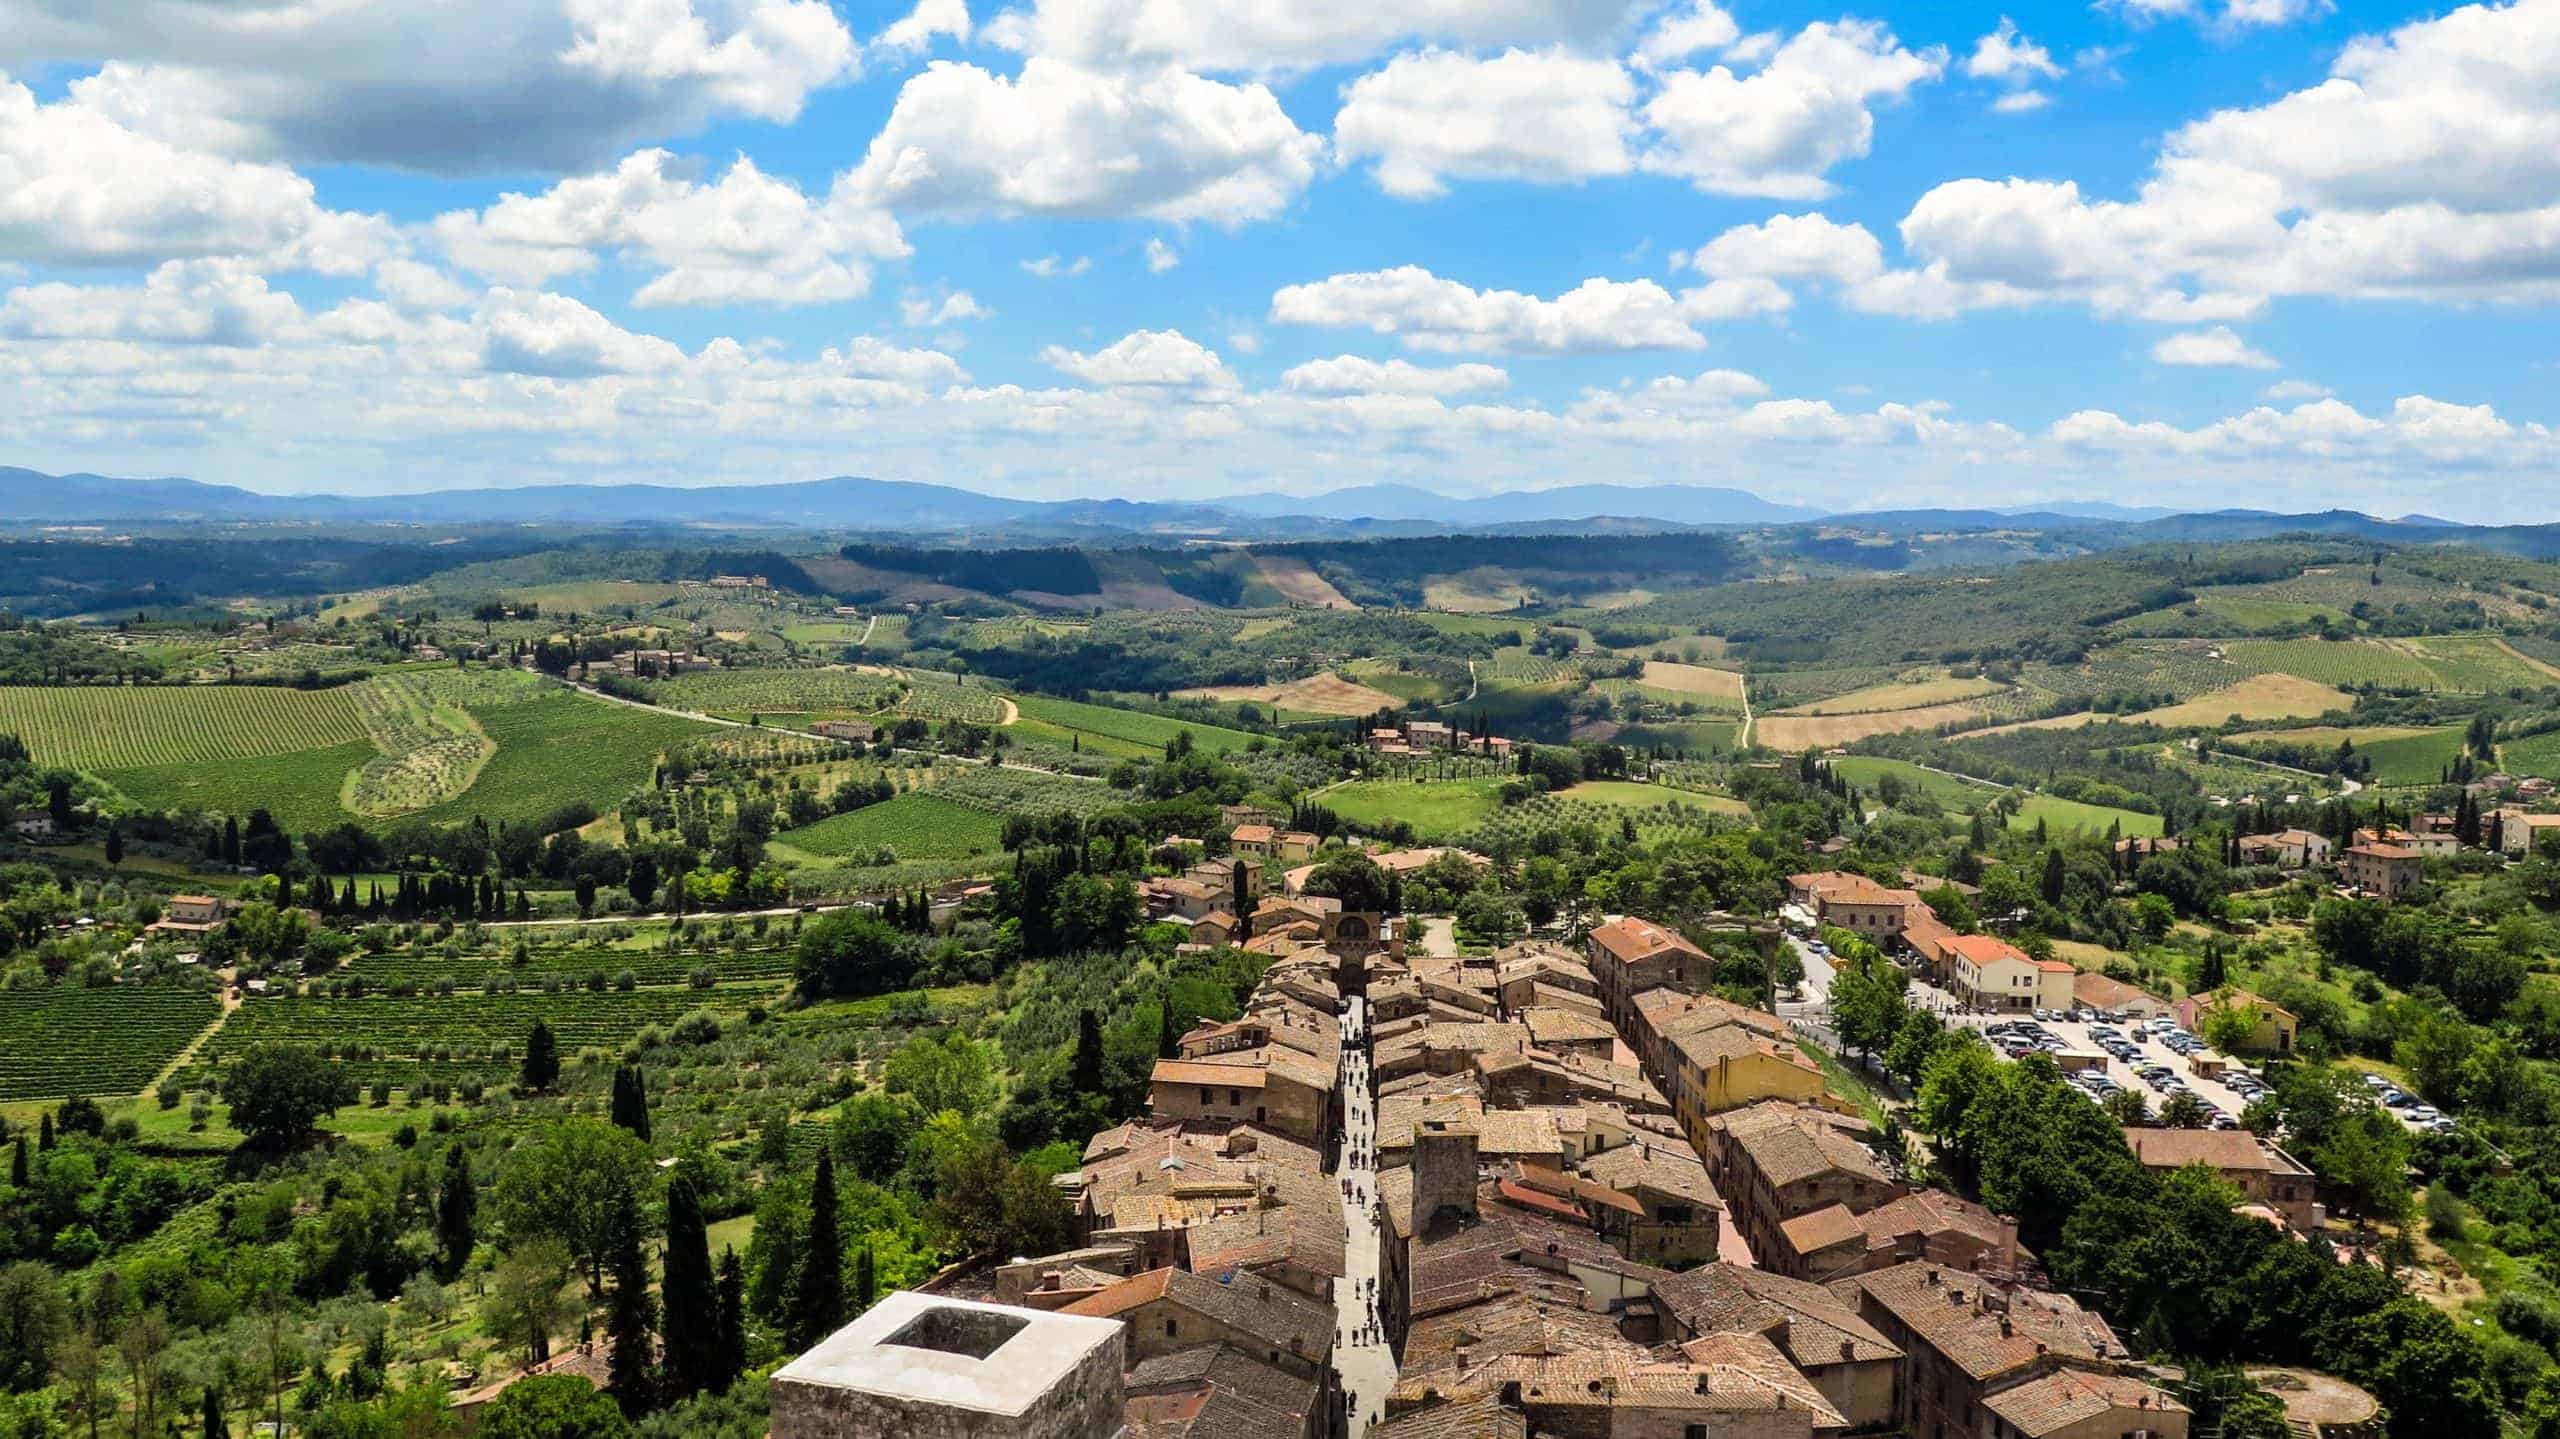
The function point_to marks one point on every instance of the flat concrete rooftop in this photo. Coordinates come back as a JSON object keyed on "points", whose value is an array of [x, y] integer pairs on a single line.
{"points": [[955, 1353]]}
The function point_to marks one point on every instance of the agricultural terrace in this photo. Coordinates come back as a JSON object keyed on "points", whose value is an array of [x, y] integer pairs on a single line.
{"points": [[797, 691], [935, 696], [382, 1036], [1721, 689], [428, 966], [1147, 734], [430, 748], [1910, 694], [918, 825], [65, 1040], [1803, 732], [1470, 808], [2339, 663], [2534, 754], [557, 747], [102, 727]]}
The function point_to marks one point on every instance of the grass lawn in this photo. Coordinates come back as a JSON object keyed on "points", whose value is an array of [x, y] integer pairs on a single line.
{"points": [[1845, 1084], [1629, 794], [2401, 754], [2062, 816], [917, 825], [1865, 770], [1434, 808]]}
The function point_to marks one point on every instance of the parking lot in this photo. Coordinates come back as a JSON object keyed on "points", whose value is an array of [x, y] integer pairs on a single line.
{"points": [[2138, 1046], [2128, 1047]]}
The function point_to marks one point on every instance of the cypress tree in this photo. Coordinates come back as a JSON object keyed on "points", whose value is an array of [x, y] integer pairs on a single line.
{"points": [[1168, 1044], [1086, 1074], [692, 1319], [2053, 876], [817, 1294], [456, 1206], [732, 1350], [541, 1058], [44, 1131], [215, 1426], [866, 1280], [18, 1164], [631, 1316], [631, 1100]]}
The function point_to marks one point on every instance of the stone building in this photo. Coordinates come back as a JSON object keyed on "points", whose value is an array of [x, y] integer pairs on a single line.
{"points": [[923, 1367]]}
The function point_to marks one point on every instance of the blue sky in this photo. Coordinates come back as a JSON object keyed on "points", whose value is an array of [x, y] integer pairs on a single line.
{"points": [[2190, 252]]}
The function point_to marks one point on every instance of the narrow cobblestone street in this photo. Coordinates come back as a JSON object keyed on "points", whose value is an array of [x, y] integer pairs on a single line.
{"points": [[1361, 1356]]}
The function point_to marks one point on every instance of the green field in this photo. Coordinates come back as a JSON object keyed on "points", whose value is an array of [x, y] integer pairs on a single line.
{"points": [[1865, 770], [103, 727], [2062, 816], [917, 825], [1435, 808], [2059, 815], [560, 748], [302, 790], [2534, 754], [1629, 794], [2400, 755], [1147, 733]]}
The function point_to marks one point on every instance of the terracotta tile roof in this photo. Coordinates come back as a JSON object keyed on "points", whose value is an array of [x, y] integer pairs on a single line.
{"points": [[1929, 1213], [1832, 1224], [1955, 1313], [1668, 1167], [1253, 1307], [2224, 1149], [1745, 1369], [1788, 1143], [2070, 1396], [1564, 1026], [1481, 1417], [1985, 949], [2099, 992], [1186, 1071], [1632, 941], [1819, 1328], [1216, 1392], [1547, 1180], [1252, 834]]}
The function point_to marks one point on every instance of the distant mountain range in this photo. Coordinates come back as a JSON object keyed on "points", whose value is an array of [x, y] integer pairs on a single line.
{"points": [[853, 503]]}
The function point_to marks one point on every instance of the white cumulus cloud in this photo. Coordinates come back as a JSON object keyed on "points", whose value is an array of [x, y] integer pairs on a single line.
{"points": [[1438, 115], [1776, 131], [1355, 375], [2219, 346], [1059, 140], [1145, 360], [458, 87], [1431, 313], [746, 237]]}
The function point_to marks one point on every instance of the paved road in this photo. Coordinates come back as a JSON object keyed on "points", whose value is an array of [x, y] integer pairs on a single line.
{"points": [[1362, 1360]]}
